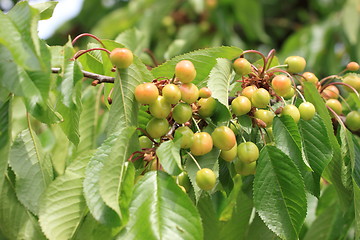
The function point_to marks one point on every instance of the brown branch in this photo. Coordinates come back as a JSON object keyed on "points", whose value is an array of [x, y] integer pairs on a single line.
{"points": [[100, 78]]}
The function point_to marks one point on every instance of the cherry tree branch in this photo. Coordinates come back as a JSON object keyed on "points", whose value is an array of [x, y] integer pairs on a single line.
{"points": [[100, 78]]}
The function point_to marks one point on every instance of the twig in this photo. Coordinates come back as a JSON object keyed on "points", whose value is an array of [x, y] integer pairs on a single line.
{"points": [[100, 78]]}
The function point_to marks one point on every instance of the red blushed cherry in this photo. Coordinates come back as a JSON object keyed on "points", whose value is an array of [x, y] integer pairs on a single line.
{"points": [[146, 93], [352, 66], [330, 92], [185, 71], [202, 144], [121, 57], [281, 84]]}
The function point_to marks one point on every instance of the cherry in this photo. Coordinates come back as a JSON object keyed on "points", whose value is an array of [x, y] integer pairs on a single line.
{"points": [[242, 66], [189, 92], [281, 84], [202, 144], [146, 93], [145, 142], [207, 107], [247, 152], [171, 93], [241, 105], [184, 181], [157, 127], [160, 108], [310, 77], [353, 120], [185, 71], [353, 80], [292, 111], [295, 64], [205, 179], [307, 111], [187, 138], [352, 66], [265, 115], [182, 113], [249, 91], [330, 91], [223, 138], [289, 94], [335, 105], [121, 57], [230, 154], [244, 169], [204, 92], [260, 98]]}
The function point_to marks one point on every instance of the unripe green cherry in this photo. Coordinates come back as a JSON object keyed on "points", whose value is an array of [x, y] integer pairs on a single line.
{"points": [[281, 84], [121, 57], [160, 108], [245, 169], [242, 66], [330, 91], [146, 93], [353, 80], [260, 98], [223, 138], [187, 138], [189, 92], [307, 111], [289, 94], [205, 179], [171, 93], [202, 144], [182, 113], [353, 120], [157, 127], [249, 91], [145, 142], [335, 105], [230, 154], [207, 107], [183, 180], [292, 111], [204, 92], [310, 77], [241, 105], [265, 115], [247, 152], [295, 64], [185, 71]]}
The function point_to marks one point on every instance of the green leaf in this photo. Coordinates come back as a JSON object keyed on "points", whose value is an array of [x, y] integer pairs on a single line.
{"points": [[209, 160], [45, 9], [117, 176], [316, 145], [279, 194], [357, 209], [100, 211], [237, 227], [161, 210], [356, 167], [348, 155], [16, 222], [169, 155], [125, 107], [89, 118], [219, 80], [333, 170], [5, 136], [63, 205], [259, 231], [351, 20], [227, 211], [222, 114], [198, 58], [90, 229], [133, 39], [32, 168], [209, 218], [288, 140]]}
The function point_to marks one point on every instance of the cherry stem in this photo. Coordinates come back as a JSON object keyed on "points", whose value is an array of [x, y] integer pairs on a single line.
{"points": [[278, 66], [144, 132], [197, 164], [197, 127], [302, 96], [257, 52], [152, 56], [262, 135], [109, 96], [336, 116], [269, 59], [345, 84], [283, 71], [87, 35], [82, 52], [327, 78]]}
